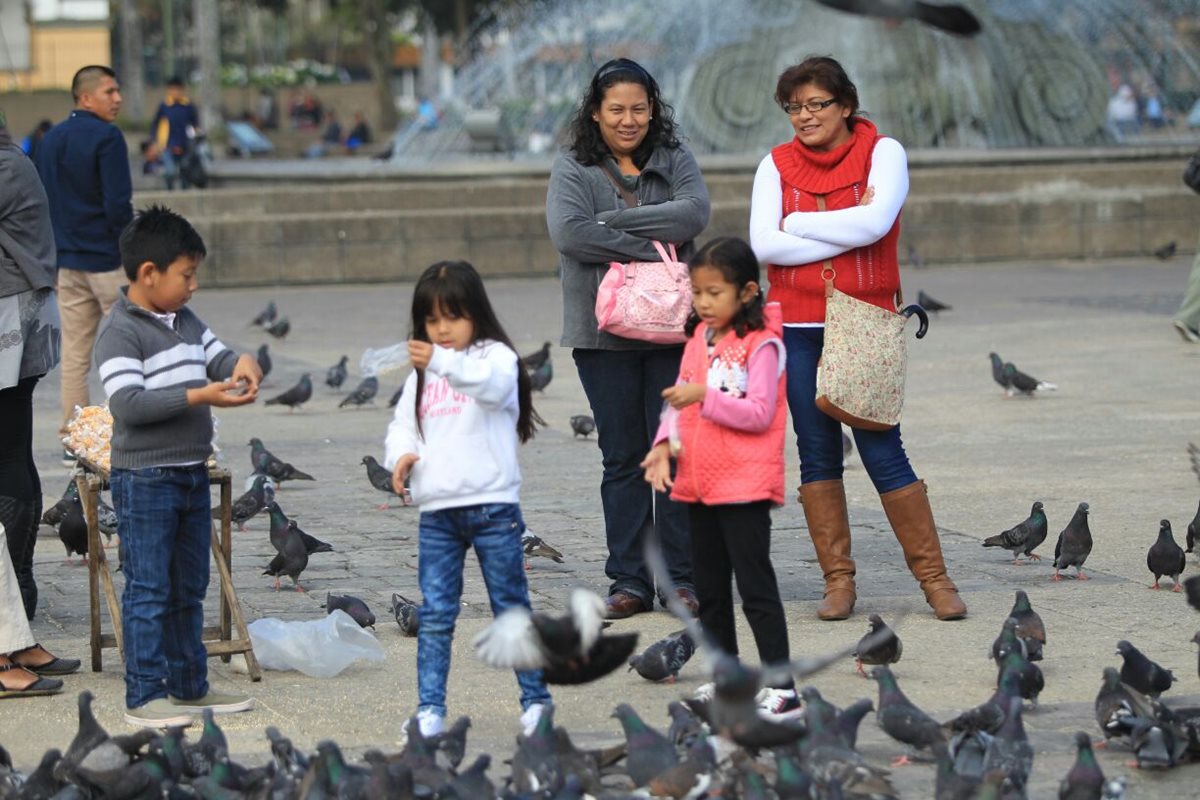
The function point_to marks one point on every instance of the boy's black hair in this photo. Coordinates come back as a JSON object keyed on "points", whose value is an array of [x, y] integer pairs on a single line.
{"points": [[175, 81], [158, 235], [456, 288], [736, 262]]}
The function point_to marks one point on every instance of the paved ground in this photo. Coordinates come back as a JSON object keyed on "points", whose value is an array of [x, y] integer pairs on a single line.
{"points": [[1113, 435]]}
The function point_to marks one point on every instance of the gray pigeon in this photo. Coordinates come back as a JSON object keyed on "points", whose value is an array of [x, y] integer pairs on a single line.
{"points": [[650, 753], [582, 425], [1074, 545], [540, 378], [1025, 384], [1008, 642], [533, 545], [1030, 628], [1165, 557], [363, 393], [1142, 674], [264, 461], [255, 499], [930, 303], [1193, 531], [999, 375], [902, 720], [358, 610], [264, 360], [1118, 704], [296, 396], [73, 530], [280, 328], [335, 376], [1024, 537], [1010, 752], [537, 357], [53, 515], [106, 518], [685, 728], [953, 19], [1192, 587], [266, 316], [407, 613], [1085, 780], [380, 478], [662, 660], [879, 646], [291, 555]]}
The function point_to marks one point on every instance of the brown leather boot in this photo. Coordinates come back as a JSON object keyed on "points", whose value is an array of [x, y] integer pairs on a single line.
{"points": [[829, 526], [908, 511]]}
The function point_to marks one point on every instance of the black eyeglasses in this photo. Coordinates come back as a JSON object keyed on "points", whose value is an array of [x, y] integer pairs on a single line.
{"points": [[811, 107]]}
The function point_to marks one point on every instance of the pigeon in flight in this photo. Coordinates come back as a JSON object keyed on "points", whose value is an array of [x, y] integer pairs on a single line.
{"points": [[363, 393], [950, 18], [296, 396], [335, 376]]}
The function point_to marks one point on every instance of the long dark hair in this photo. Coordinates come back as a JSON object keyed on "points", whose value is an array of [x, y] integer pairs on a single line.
{"points": [[585, 140], [733, 258], [455, 288]]}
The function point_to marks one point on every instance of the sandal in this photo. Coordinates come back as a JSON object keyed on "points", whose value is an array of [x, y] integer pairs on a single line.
{"points": [[40, 687], [55, 666]]}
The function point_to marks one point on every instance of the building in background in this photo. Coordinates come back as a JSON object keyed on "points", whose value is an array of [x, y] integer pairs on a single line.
{"points": [[43, 42]]}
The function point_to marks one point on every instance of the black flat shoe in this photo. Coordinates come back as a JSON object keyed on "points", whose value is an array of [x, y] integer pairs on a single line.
{"points": [[59, 666], [39, 688]]}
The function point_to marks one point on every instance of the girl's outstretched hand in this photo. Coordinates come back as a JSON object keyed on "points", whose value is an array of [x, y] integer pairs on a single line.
{"points": [[400, 474], [657, 465], [419, 353], [682, 395]]}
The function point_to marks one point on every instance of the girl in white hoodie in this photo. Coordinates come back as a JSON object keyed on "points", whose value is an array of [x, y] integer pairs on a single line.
{"points": [[466, 406]]}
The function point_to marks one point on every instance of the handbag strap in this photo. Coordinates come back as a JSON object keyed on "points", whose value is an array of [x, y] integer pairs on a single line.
{"points": [[630, 200], [828, 273]]}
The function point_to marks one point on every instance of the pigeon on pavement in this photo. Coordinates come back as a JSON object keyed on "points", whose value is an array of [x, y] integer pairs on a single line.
{"points": [[280, 328], [256, 498], [1166, 251], [950, 18], [335, 376], [407, 614], [1192, 587], [1142, 674], [381, 479], [929, 303], [296, 396], [1193, 531], [358, 610], [53, 515], [887, 647], [662, 660], [1011, 752], [73, 530], [363, 393], [538, 357], [264, 360], [1165, 557], [1024, 537], [1007, 642], [685, 728], [650, 752], [291, 555], [1030, 680], [999, 375], [1074, 544], [1118, 704], [582, 425], [902, 720], [1085, 778], [540, 378], [1030, 628], [266, 316], [264, 461], [533, 545], [1025, 384]]}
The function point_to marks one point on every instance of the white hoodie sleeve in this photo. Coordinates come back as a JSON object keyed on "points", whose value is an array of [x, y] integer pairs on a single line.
{"points": [[402, 430], [488, 374]]}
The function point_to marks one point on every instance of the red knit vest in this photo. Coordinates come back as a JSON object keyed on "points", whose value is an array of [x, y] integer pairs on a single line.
{"points": [[870, 273], [719, 465]]}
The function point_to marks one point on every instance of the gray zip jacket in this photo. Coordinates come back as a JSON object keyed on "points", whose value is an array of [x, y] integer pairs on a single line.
{"points": [[591, 226]]}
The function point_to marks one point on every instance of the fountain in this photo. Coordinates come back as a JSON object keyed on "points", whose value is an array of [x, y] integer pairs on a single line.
{"points": [[1039, 75]]}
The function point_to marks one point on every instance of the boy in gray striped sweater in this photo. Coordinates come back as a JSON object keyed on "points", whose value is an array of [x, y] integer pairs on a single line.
{"points": [[162, 368]]}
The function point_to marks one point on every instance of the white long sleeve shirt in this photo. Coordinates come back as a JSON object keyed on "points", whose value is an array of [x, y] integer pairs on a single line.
{"points": [[468, 441]]}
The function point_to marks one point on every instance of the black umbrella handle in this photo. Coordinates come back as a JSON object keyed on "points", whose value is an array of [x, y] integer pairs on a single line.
{"points": [[908, 311]]}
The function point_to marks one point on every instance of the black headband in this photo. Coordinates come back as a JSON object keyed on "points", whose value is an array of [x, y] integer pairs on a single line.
{"points": [[623, 65]]}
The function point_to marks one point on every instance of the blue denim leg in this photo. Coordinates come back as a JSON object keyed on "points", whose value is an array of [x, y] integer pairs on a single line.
{"points": [[624, 390], [164, 528], [818, 436], [442, 548], [496, 533]]}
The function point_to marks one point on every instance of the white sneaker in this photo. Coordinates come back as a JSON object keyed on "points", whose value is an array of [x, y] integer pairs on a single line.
{"points": [[779, 705], [531, 717], [430, 722]]}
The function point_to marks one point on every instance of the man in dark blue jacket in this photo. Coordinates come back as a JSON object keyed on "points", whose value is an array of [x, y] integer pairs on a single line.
{"points": [[170, 126], [84, 165]]}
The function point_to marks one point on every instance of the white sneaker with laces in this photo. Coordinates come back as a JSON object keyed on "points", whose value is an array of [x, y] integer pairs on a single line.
{"points": [[778, 705], [531, 717]]}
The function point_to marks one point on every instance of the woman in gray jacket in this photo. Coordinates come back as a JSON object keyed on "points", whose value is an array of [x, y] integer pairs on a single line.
{"points": [[624, 133]]}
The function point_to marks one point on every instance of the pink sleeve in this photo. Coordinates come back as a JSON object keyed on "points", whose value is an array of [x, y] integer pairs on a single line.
{"points": [[668, 417], [754, 412]]}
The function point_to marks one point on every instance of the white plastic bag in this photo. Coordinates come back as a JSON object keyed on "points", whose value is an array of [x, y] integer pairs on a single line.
{"points": [[380, 360], [318, 647]]}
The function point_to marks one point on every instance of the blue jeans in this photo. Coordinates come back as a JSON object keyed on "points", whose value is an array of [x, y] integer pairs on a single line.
{"points": [[165, 526], [624, 389], [819, 436], [445, 536]]}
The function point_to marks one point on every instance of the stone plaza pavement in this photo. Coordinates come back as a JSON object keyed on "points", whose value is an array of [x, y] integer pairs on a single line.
{"points": [[1114, 435]]}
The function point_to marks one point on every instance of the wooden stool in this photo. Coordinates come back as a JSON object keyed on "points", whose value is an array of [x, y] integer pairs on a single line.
{"points": [[218, 639]]}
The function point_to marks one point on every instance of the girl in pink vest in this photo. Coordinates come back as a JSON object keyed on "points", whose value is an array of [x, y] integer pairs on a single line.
{"points": [[727, 408]]}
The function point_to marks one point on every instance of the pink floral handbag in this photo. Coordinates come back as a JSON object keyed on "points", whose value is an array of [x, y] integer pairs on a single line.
{"points": [[646, 300]]}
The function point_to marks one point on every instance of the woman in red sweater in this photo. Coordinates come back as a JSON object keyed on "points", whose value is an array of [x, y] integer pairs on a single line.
{"points": [[833, 194]]}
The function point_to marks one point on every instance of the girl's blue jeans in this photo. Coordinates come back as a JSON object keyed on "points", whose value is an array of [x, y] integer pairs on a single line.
{"points": [[819, 436], [494, 530], [165, 524]]}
